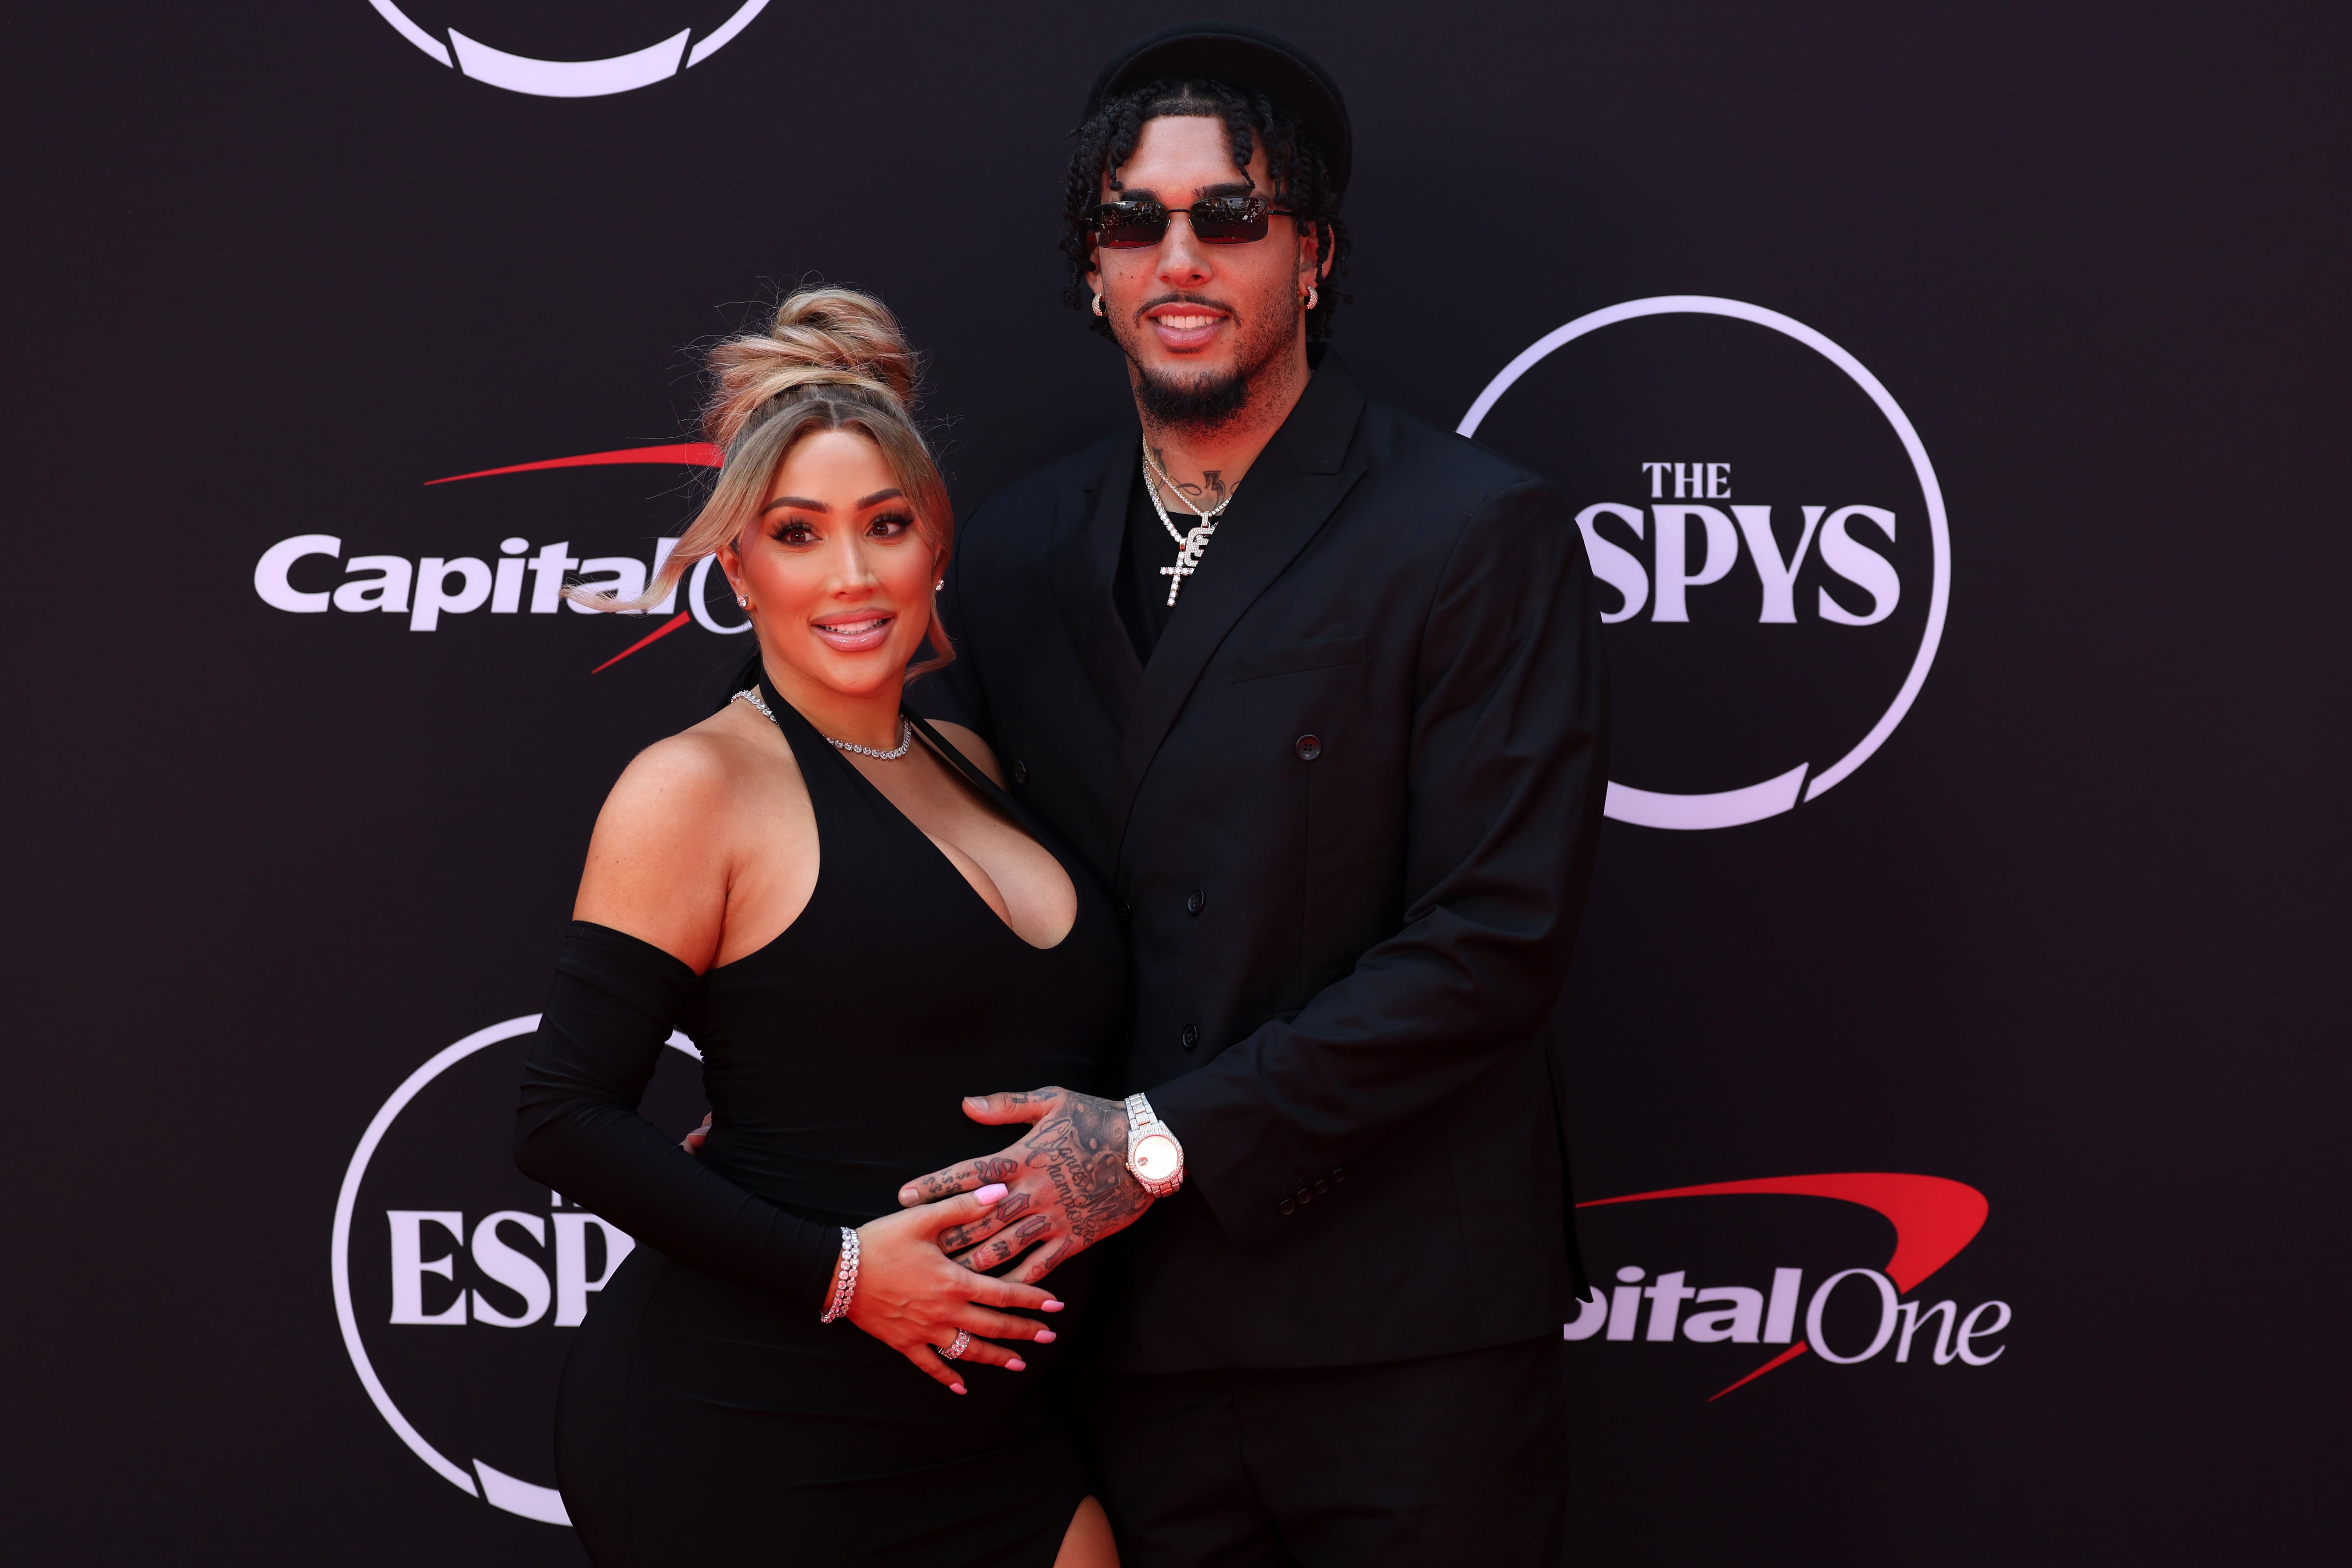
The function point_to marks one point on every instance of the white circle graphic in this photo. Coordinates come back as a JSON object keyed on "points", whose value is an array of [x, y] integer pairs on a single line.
{"points": [[521, 1497], [1730, 808], [697, 591], [570, 78]]}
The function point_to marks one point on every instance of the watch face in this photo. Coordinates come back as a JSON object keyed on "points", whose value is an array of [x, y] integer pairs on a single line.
{"points": [[1156, 1158]]}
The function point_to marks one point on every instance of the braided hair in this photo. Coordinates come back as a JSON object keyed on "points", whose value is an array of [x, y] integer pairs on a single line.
{"points": [[1302, 182]]}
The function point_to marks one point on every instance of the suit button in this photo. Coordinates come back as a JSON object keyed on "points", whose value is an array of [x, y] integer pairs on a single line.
{"points": [[1191, 1036], [1308, 747], [1020, 771], [1126, 911], [1323, 1187], [1195, 901], [1285, 1206], [1339, 1173], [1305, 1196]]}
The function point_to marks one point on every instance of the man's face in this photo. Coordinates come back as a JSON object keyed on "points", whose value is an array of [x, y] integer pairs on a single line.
{"points": [[1200, 322]]}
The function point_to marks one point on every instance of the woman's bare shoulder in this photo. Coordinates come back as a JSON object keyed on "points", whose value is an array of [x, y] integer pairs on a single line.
{"points": [[680, 801], [669, 842], [975, 750], [732, 751]]}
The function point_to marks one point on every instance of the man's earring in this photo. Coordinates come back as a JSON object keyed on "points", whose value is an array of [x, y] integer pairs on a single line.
{"points": [[1310, 296], [1099, 311], [939, 584], [744, 600]]}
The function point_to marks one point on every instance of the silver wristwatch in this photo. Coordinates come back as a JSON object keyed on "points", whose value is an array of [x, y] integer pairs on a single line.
{"points": [[1154, 1157]]}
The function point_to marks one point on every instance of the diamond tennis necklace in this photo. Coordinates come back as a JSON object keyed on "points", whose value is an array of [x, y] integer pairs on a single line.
{"points": [[906, 730], [1190, 546]]}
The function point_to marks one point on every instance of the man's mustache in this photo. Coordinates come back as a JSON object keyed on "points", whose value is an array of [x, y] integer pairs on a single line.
{"points": [[1182, 299]]}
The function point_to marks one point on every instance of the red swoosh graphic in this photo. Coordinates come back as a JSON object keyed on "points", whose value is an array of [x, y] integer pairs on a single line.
{"points": [[692, 454], [1783, 1359], [1934, 1217], [657, 634], [688, 454]]}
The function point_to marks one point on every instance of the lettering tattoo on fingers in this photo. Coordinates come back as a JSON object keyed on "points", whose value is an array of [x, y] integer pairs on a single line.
{"points": [[977, 1174], [955, 1238], [1009, 1245], [1048, 1258]]}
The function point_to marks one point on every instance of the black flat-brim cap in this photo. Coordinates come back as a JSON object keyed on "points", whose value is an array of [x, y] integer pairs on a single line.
{"points": [[1248, 58]]}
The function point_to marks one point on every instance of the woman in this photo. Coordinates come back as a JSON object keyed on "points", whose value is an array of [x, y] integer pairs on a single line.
{"points": [[858, 926]]}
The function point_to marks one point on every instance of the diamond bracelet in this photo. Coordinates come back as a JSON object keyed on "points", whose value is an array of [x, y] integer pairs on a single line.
{"points": [[845, 1284]]}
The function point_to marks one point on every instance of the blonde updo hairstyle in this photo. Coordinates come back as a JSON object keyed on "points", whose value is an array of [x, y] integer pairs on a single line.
{"points": [[835, 360]]}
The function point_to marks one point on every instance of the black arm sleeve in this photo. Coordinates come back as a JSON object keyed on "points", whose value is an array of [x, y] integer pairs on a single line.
{"points": [[608, 1016]]}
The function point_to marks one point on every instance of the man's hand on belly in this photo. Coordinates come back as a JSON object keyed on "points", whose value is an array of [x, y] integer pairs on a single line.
{"points": [[1070, 1185]]}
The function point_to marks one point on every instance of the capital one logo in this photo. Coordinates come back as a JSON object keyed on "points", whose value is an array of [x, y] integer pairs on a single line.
{"points": [[576, 78], [526, 575], [458, 1281], [1746, 1289], [1770, 529]]}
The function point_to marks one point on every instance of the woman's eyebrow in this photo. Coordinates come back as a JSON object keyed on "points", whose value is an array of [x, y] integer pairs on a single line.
{"points": [[802, 502], [878, 497]]}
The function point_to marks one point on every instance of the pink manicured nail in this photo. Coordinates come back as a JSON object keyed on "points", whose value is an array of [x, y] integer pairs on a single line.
{"points": [[1016, 1364], [992, 1192], [1044, 1336], [1053, 1305], [957, 1386]]}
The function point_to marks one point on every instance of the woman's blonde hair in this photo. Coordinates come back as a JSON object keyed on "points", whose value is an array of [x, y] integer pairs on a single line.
{"points": [[835, 360]]}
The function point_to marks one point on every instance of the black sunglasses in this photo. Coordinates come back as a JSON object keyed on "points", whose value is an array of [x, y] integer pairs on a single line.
{"points": [[1222, 220]]}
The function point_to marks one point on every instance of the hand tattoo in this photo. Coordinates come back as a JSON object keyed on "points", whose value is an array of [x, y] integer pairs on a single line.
{"points": [[1082, 1150], [1070, 1185]]}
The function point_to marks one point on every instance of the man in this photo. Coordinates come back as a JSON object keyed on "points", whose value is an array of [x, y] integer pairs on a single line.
{"points": [[1317, 690]]}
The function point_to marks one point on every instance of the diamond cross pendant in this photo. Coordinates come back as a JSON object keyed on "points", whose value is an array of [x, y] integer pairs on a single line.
{"points": [[1188, 559]]}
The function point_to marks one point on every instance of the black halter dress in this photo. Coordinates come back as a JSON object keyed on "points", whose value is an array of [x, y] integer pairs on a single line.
{"points": [[706, 1416]]}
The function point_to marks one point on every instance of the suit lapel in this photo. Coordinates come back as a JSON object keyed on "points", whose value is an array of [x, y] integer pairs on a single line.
{"points": [[1296, 484], [1081, 559]]}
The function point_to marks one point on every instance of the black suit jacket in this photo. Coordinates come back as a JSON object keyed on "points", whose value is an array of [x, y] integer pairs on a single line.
{"points": [[1351, 807]]}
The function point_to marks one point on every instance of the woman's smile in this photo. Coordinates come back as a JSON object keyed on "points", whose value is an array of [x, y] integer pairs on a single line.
{"points": [[854, 631]]}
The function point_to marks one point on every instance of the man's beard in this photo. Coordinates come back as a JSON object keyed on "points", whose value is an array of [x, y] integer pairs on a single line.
{"points": [[1202, 400], [1209, 400]]}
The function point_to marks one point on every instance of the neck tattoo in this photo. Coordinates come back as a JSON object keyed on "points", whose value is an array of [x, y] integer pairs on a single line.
{"points": [[1191, 544]]}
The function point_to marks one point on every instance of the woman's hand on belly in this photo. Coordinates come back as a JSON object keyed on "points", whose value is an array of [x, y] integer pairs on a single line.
{"points": [[913, 1297]]}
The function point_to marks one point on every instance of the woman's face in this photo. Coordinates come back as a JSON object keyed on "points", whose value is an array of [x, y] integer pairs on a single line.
{"points": [[839, 581]]}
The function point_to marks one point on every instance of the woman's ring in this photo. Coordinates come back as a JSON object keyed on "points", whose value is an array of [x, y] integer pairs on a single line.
{"points": [[962, 1344]]}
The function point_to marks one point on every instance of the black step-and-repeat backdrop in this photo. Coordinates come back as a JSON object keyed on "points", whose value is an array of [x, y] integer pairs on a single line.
{"points": [[1953, 401]]}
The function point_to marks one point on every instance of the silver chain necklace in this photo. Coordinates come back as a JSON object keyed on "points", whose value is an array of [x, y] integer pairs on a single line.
{"points": [[906, 730], [1190, 546]]}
